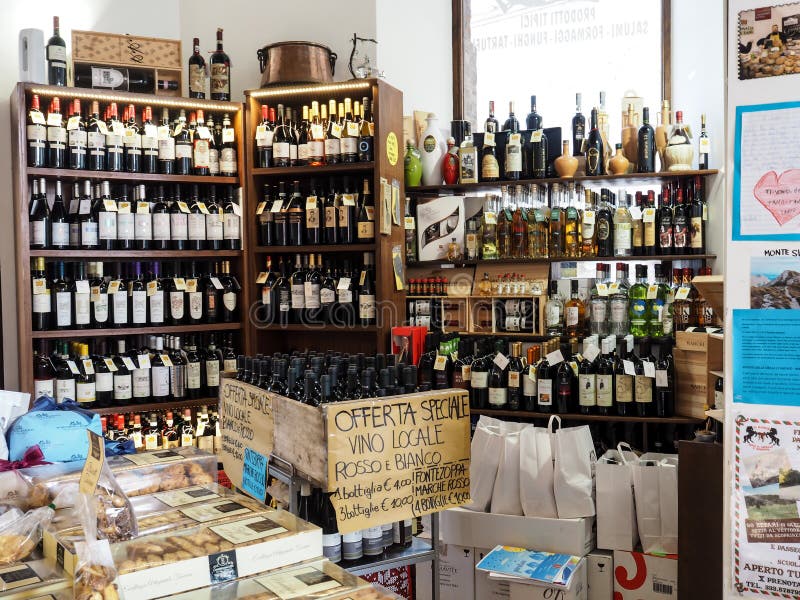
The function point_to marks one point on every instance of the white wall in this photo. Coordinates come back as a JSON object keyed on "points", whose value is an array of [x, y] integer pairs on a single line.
{"points": [[157, 18], [250, 25], [416, 51]]}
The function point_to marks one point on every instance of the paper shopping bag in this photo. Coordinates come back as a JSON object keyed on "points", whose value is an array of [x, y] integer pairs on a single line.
{"points": [[616, 510], [655, 486], [573, 474], [505, 496], [536, 473], [485, 453]]}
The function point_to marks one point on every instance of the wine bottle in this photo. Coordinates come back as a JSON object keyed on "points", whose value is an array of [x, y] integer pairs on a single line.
{"points": [[106, 218], [333, 135], [39, 216], [624, 373], [490, 168], [77, 136], [665, 223], [646, 153], [87, 215], [366, 216], [316, 137], [513, 157], [196, 221], [295, 217], [95, 132], [314, 211], [365, 133], [366, 292], [264, 139], [680, 224], [578, 128], [704, 145], [183, 146], [595, 164], [36, 134], [227, 155], [41, 296], [347, 214], [56, 136], [220, 72], [197, 72], [99, 296], [166, 145], [85, 381], [231, 221], [56, 57]]}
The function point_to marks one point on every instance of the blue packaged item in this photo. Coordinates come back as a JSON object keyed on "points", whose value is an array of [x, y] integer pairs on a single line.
{"points": [[58, 429]]}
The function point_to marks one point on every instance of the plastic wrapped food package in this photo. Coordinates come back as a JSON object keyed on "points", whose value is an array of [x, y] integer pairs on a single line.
{"points": [[20, 533]]}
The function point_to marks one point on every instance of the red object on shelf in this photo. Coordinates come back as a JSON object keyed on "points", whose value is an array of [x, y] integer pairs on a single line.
{"points": [[394, 580], [413, 338], [223, 480]]}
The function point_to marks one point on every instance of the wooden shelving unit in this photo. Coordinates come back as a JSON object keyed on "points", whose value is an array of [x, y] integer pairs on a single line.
{"points": [[387, 110], [548, 261], [632, 179], [176, 404], [22, 176]]}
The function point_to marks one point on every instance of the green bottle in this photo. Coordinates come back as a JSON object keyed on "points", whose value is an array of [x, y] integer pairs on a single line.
{"points": [[659, 321], [638, 304], [413, 166]]}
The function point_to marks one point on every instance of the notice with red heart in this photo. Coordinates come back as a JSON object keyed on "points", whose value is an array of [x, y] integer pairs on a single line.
{"points": [[780, 194]]}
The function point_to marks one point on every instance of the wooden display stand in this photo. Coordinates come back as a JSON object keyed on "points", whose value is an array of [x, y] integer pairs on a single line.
{"points": [[386, 170], [22, 181]]}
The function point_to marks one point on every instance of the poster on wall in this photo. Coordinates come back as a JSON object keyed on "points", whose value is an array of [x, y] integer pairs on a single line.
{"points": [[765, 520], [769, 41], [766, 173], [775, 279]]}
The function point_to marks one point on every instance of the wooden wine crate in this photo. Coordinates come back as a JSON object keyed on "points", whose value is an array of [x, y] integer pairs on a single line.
{"points": [[696, 354], [159, 57]]}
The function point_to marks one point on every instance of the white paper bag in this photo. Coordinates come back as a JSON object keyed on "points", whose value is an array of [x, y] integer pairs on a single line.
{"points": [[616, 510], [486, 451], [573, 474], [536, 473], [505, 496], [655, 485]]}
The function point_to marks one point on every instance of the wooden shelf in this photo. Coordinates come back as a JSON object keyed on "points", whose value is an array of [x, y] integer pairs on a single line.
{"points": [[321, 170], [319, 249], [645, 178], [167, 254], [75, 175], [321, 328], [523, 414], [719, 374], [531, 336], [171, 404], [528, 261], [112, 332]]}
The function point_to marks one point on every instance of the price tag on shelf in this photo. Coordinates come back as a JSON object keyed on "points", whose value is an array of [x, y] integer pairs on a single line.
{"points": [[166, 360], [150, 130], [261, 133], [88, 366], [602, 289], [344, 283], [216, 283], [227, 135], [54, 120], [628, 367], [649, 215], [490, 218], [110, 364], [176, 133], [276, 206], [124, 207], [118, 128], [440, 364], [588, 217], [203, 132], [151, 441], [352, 129], [262, 277], [180, 283], [162, 132], [652, 291], [109, 205], [348, 200], [73, 123], [95, 293], [488, 139], [336, 130], [203, 208], [191, 286], [73, 367], [682, 293], [39, 286], [555, 357], [260, 208], [144, 361], [515, 139], [126, 360], [142, 208], [317, 131], [536, 136], [183, 207], [362, 278], [311, 202], [113, 286], [85, 206], [613, 288], [591, 352], [82, 287], [501, 360], [151, 287], [237, 210], [649, 369], [103, 128]]}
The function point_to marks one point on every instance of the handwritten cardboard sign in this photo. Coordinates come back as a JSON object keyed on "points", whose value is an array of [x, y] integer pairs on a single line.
{"points": [[397, 458], [247, 430]]}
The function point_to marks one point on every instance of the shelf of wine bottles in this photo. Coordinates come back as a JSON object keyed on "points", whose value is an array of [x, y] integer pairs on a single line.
{"points": [[179, 405], [525, 261], [124, 218], [625, 179], [75, 175], [133, 371], [125, 140], [341, 211]]}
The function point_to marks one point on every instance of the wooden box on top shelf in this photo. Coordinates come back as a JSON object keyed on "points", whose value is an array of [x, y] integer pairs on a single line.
{"points": [[385, 176]]}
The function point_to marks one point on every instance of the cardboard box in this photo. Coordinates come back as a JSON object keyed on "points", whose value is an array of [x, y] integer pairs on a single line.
{"points": [[456, 574], [439, 220], [485, 530], [600, 574], [696, 354], [577, 590], [487, 588], [639, 576]]}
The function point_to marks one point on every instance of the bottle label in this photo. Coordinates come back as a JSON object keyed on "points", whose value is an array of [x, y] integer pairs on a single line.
{"points": [[480, 379], [366, 306], [332, 147], [160, 381], [553, 314], [696, 232], [176, 305], [644, 389], [141, 383], [344, 216], [599, 311], [280, 150], [183, 151], [528, 384], [366, 230], [572, 316], [545, 389], [166, 149], [197, 78], [100, 305], [624, 388], [63, 309], [332, 547], [139, 307], [352, 546], [231, 226], [43, 387], [227, 160], [179, 226], [603, 229], [85, 393], [513, 379], [498, 396], [157, 307], [89, 232], [605, 392], [126, 226], [121, 307], [220, 79], [229, 301], [108, 226], [587, 394], [65, 389], [78, 140], [489, 167], [36, 135], [298, 295], [82, 309], [312, 294], [201, 158], [622, 236], [41, 302], [104, 382], [345, 296], [513, 156], [60, 234], [619, 311], [197, 226], [96, 142], [193, 376], [38, 233], [316, 149], [349, 145], [212, 373], [57, 55], [214, 227]]}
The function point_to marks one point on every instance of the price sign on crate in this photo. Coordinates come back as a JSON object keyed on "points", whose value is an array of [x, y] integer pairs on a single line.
{"points": [[398, 458]]}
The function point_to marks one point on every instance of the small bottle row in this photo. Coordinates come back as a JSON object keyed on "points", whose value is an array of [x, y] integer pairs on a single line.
{"points": [[163, 429], [102, 217], [138, 370], [80, 295], [109, 143]]}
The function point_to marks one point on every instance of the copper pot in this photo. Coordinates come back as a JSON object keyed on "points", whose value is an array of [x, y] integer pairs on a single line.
{"points": [[296, 62]]}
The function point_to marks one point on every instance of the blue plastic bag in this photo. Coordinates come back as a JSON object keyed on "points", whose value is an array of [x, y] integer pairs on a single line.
{"points": [[58, 429]]}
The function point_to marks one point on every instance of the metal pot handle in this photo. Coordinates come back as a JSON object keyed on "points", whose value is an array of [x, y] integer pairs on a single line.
{"points": [[263, 59], [332, 58]]}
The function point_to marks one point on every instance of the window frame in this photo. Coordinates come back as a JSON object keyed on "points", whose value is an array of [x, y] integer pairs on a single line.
{"points": [[460, 27]]}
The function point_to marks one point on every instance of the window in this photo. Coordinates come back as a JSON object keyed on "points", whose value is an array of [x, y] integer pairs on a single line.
{"points": [[512, 49]]}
